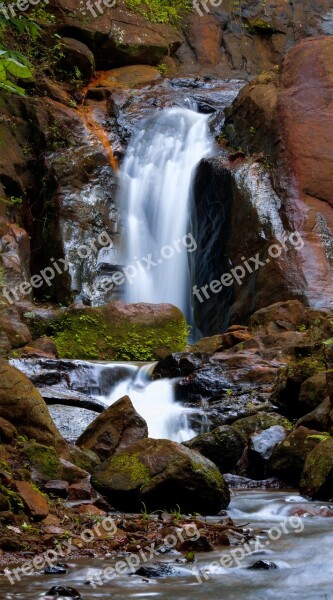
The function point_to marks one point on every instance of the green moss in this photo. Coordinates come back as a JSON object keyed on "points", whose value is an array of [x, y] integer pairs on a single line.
{"points": [[102, 335], [160, 11], [44, 459], [130, 466], [13, 498]]}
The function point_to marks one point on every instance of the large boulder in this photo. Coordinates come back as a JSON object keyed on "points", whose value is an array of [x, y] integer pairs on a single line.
{"points": [[162, 475], [248, 426], [317, 477], [23, 406], [115, 331], [261, 448], [114, 429], [224, 446], [288, 459]]}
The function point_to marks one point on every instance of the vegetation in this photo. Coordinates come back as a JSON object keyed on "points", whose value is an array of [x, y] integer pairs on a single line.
{"points": [[161, 11]]}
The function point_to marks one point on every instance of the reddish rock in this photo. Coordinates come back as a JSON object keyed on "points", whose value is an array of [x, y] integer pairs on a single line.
{"points": [[81, 491], [34, 502], [204, 36], [90, 509]]}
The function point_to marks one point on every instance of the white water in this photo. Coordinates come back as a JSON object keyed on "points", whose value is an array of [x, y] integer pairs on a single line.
{"points": [[155, 188], [155, 402]]}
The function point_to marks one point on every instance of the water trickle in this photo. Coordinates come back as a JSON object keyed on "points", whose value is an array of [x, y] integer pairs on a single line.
{"points": [[155, 188]]}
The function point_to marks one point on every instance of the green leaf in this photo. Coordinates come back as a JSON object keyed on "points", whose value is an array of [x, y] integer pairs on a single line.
{"points": [[12, 88], [15, 68]]}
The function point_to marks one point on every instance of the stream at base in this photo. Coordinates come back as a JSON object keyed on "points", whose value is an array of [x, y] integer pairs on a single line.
{"points": [[303, 559]]}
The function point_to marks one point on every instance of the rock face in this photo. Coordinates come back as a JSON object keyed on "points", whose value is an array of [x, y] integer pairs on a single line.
{"points": [[115, 429], [317, 477], [23, 406], [223, 446], [162, 474], [116, 36], [281, 201], [247, 38]]}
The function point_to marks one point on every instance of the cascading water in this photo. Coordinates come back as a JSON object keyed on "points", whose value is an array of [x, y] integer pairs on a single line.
{"points": [[154, 401], [155, 188]]}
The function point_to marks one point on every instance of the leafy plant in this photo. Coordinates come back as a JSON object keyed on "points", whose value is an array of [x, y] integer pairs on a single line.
{"points": [[13, 65], [161, 11]]}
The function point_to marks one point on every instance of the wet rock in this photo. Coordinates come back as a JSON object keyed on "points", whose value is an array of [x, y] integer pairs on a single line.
{"points": [[35, 503], [265, 565], [223, 446], [317, 476], [238, 482], [157, 570], [57, 570], [288, 459], [153, 469], [116, 428], [85, 459], [13, 331], [179, 364], [22, 405], [204, 36], [63, 592]]}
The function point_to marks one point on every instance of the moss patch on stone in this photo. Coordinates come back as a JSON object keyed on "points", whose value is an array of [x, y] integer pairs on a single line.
{"points": [[44, 459], [130, 466], [105, 333]]}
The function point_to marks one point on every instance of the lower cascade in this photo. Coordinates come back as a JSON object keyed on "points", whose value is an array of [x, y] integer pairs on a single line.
{"points": [[155, 188]]}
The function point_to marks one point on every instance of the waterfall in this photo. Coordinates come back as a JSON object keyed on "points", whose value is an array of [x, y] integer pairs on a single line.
{"points": [[155, 188], [155, 402]]}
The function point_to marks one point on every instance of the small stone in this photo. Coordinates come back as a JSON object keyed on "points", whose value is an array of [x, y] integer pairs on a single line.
{"points": [[264, 565], [62, 592], [34, 501], [57, 570]]}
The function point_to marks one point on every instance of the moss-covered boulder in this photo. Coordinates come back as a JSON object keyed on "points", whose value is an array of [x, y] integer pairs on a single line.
{"points": [[116, 428], [258, 422], [224, 446], [83, 458], [317, 477], [115, 331], [23, 406], [313, 391], [163, 475], [288, 459]]}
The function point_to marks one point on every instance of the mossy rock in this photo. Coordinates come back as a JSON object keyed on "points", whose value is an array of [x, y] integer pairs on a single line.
{"points": [[288, 459], [259, 422], [83, 458], [317, 477], [13, 499], [115, 331], [44, 460], [224, 446], [162, 475]]}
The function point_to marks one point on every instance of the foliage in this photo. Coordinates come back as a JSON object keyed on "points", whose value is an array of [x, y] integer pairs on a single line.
{"points": [[319, 436], [161, 11], [13, 65]]}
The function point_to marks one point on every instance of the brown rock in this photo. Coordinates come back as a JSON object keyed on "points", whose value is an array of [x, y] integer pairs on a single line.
{"points": [[90, 509], [23, 406], [288, 459], [81, 491], [204, 36], [34, 502], [114, 429], [77, 56], [45, 344]]}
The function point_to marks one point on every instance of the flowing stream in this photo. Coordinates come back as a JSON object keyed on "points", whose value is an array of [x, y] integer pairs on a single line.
{"points": [[302, 555], [155, 188]]}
